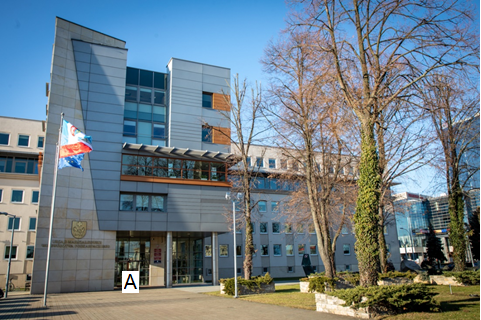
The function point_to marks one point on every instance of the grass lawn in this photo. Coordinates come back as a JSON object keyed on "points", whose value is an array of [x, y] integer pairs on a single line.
{"points": [[459, 305]]}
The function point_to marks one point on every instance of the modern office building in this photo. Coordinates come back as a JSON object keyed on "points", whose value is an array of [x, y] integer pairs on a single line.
{"points": [[154, 186], [21, 146]]}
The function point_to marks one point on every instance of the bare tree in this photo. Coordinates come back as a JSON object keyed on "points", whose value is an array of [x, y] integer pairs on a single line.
{"points": [[454, 112], [244, 119], [311, 125], [374, 46]]}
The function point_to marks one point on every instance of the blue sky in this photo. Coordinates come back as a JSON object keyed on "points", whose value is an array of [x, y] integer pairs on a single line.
{"points": [[230, 34]]}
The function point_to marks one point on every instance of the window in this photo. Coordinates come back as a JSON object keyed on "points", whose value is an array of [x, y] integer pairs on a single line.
{"points": [[40, 142], [265, 270], [264, 249], [223, 250], [32, 224], [206, 134], [263, 227], [142, 202], [1, 195], [301, 249], [35, 196], [283, 164], [10, 222], [30, 250], [344, 230], [238, 251], [208, 250], [274, 206], [130, 128], [7, 252], [277, 250], [4, 139], [311, 228], [255, 250], [289, 250], [19, 165], [207, 100], [23, 140], [248, 160], [253, 226], [262, 206], [276, 228], [239, 270], [260, 162], [300, 229], [272, 163], [314, 268], [17, 196], [346, 249], [290, 269], [312, 249], [288, 228]]}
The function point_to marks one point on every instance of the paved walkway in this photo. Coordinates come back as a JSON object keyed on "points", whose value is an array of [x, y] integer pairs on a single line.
{"points": [[158, 303]]}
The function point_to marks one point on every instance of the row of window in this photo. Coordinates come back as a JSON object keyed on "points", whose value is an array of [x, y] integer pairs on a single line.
{"points": [[19, 165], [23, 140], [276, 250], [173, 168], [272, 163], [142, 202], [32, 224], [18, 196], [28, 253]]}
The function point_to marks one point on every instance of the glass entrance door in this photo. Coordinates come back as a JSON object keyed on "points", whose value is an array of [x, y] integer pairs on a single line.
{"points": [[132, 254], [187, 261]]}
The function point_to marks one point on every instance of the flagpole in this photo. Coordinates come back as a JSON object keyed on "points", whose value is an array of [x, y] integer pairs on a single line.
{"points": [[55, 175]]}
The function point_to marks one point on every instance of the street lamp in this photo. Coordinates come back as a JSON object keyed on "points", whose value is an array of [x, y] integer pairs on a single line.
{"points": [[234, 197], [11, 249], [412, 242]]}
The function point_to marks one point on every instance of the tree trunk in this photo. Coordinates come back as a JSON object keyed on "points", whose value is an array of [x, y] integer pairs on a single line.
{"points": [[457, 233], [382, 241], [249, 241], [367, 208]]}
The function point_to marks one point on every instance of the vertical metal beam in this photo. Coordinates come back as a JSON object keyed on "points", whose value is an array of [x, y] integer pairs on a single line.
{"points": [[215, 267], [168, 262]]}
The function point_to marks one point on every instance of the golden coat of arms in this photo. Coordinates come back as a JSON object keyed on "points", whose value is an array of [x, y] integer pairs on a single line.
{"points": [[79, 229]]}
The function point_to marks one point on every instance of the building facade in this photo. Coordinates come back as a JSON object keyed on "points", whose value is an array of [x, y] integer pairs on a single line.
{"points": [[21, 145], [154, 186]]}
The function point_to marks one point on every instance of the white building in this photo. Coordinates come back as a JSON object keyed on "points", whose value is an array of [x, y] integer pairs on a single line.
{"points": [[21, 143]]}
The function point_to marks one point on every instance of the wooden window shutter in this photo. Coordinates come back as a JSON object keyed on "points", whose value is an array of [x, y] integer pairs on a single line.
{"points": [[221, 135], [220, 102]]}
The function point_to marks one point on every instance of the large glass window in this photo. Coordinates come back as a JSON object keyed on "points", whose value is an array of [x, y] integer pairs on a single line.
{"points": [[35, 194], [272, 163], [276, 228], [264, 249], [262, 206], [300, 249], [223, 250], [144, 110], [289, 250], [32, 224], [277, 250], [7, 252], [207, 100], [10, 223], [30, 250], [40, 142], [206, 134], [19, 165], [4, 139], [23, 140], [142, 202], [263, 227], [17, 196]]}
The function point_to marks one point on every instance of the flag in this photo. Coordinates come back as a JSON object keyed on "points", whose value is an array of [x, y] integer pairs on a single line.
{"points": [[73, 145]]}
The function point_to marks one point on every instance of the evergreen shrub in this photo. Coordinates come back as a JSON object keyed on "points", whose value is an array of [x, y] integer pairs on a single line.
{"points": [[229, 284]]}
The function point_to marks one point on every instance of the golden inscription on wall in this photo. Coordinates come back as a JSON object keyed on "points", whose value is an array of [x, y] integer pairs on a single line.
{"points": [[79, 244]]}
